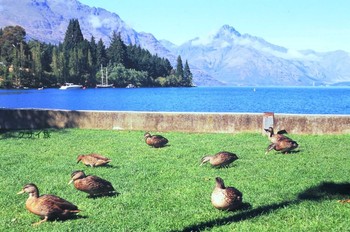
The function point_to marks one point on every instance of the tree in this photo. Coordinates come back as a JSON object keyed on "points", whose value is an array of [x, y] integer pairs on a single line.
{"points": [[117, 50], [37, 63], [73, 35], [179, 68], [187, 78], [101, 54]]}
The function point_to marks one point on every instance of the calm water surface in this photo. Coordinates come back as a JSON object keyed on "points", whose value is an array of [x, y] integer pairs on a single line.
{"points": [[295, 100]]}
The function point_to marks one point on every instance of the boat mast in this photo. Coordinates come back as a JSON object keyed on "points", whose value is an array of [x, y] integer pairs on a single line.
{"points": [[101, 75], [106, 76]]}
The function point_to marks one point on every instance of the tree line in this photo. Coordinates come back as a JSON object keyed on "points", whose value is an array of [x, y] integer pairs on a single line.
{"points": [[38, 64]]}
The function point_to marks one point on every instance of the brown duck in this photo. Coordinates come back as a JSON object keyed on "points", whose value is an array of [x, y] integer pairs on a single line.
{"points": [[220, 159], [225, 198], [93, 185], [275, 137], [48, 207], [280, 142], [93, 160], [155, 140]]}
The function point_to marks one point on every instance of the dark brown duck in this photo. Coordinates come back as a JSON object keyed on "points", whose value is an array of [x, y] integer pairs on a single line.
{"points": [[280, 142], [93, 185], [220, 159], [155, 140]]}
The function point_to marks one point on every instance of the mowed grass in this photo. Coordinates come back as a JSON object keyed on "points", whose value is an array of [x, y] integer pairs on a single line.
{"points": [[166, 190]]}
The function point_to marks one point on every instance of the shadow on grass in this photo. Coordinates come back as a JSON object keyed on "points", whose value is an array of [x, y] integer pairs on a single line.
{"points": [[71, 217], [326, 191], [110, 194], [323, 191]]}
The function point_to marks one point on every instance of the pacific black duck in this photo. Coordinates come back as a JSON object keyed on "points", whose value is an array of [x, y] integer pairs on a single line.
{"points": [[93, 160], [48, 207], [225, 198], [93, 185], [155, 140], [220, 159], [280, 142]]}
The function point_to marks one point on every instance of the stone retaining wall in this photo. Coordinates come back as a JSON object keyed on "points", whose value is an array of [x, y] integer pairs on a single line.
{"points": [[173, 121]]}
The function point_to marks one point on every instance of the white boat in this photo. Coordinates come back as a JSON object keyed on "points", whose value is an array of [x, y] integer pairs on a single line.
{"points": [[104, 84], [70, 86]]}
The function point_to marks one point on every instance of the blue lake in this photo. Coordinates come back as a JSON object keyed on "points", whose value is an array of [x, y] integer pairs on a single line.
{"points": [[295, 100]]}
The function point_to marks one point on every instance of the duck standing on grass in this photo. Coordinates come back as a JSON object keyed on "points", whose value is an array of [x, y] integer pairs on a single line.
{"points": [[93, 185], [279, 142], [93, 160], [155, 140], [220, 159], [48, 207], [225, 198]]}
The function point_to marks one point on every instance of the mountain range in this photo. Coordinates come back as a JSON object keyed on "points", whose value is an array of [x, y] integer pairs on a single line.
{"points": [[224, 58]]}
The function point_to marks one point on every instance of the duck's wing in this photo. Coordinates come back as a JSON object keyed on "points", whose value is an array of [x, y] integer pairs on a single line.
{"points": [[282, 132], [97, 183], [158, 140], [55, 203], [233, 194], [97, 156]]}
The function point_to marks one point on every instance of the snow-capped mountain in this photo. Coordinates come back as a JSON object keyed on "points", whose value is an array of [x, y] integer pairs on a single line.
{"points": [[47, 20], [225, 58], [236, 59]]}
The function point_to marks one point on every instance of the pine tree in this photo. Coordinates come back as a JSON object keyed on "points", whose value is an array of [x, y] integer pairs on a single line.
{"points": [[101, 54], [117, 50], [179, 68], [73, 35], [187, 79]]}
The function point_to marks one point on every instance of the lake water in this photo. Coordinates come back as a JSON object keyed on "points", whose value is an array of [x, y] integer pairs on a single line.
{"points": [[294, 100]]}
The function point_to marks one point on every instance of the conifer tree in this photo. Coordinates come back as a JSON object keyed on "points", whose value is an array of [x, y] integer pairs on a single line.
{"points": [[187, 79], [179, 68], [117, 50], [73, 35], [101, 54]]}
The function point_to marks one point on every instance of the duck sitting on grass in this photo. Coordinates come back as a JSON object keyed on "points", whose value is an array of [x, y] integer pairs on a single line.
{"points": [[225, 198], [220, 159], [155, 140], [93, 185], [93, 160], [48, 207]]}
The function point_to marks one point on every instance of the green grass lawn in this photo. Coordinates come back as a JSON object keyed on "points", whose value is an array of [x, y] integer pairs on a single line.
{"points": [[166, 190]]}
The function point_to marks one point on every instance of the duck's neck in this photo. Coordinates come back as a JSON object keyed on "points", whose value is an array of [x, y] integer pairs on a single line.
{"points": [[34, 194], [220, 184]]}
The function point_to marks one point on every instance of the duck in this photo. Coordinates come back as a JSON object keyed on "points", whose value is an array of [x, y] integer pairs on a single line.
{"points": [[93, 185], [93, 160], [48, 207], [220, 159], [156, 141], [280, 142], [284, 146], [225, 198], [275, 137]]}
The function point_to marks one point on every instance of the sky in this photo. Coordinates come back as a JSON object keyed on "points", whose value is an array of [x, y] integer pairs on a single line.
{"points": [[321, 25]]}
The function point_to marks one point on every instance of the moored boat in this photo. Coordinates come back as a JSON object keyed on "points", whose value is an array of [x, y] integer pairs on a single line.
{"points": [[70, 86]]}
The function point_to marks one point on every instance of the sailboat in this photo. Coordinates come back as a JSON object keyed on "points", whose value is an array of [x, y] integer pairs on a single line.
{"points": [[104, 84]]}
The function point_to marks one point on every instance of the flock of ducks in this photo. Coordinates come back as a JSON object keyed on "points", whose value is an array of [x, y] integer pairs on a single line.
{"points": [[50, 207]]}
